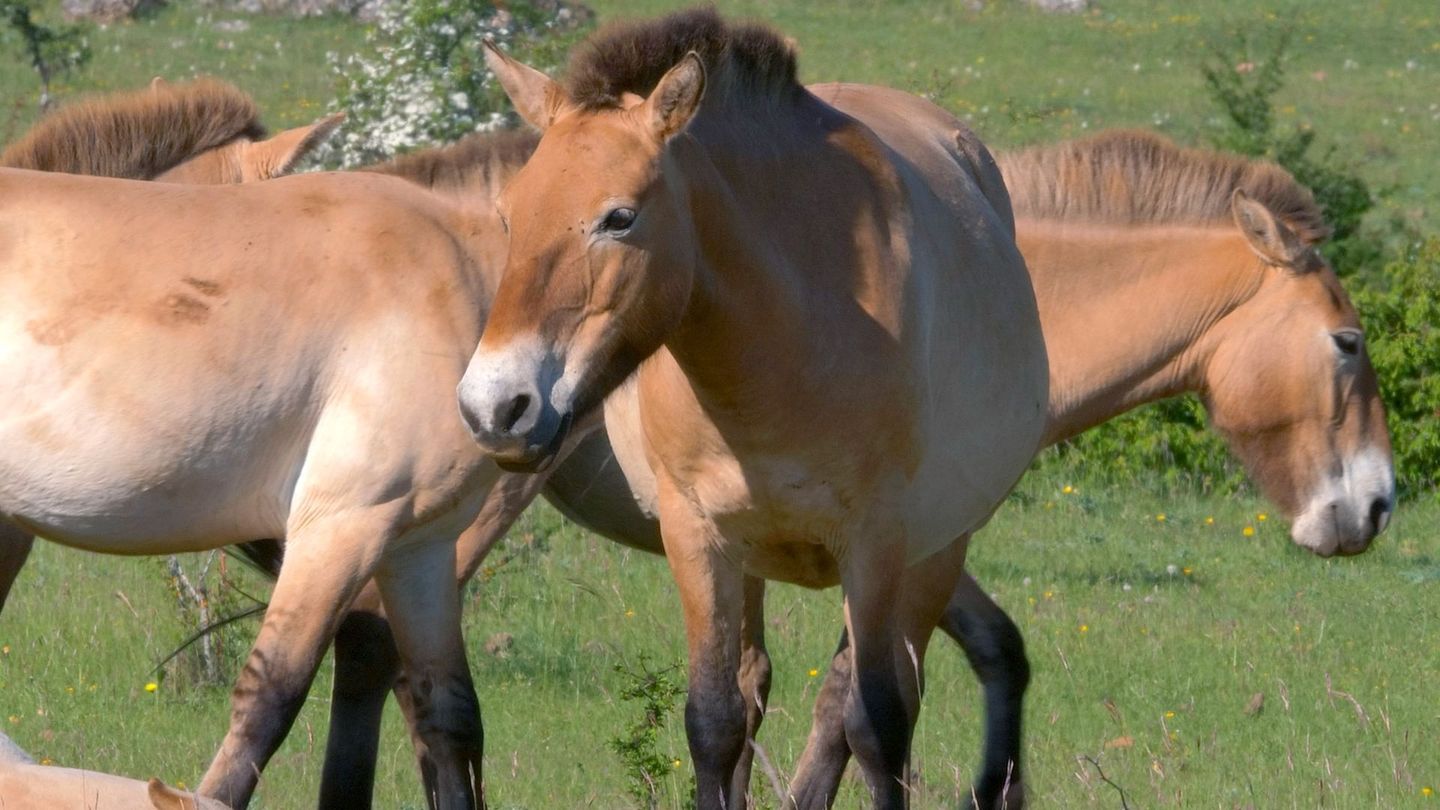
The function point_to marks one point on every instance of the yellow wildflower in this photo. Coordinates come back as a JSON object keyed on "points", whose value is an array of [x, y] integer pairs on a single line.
{"points": [[1209, 521], [5, 649], [675, 763], [1084, 628], [1067, 490], [1262, 517], [630, 613], [1169, 715], [46, 761], [14, 719], [1186, 570], [814, 672], [1426, 792], [1160, 518], [151, 686], [1248, 531], [1049, 594]]}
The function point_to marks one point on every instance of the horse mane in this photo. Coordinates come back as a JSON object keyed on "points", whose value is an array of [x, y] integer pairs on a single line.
{"points": [[632, 57], [493, 156], [138, 135], [1133, 178]]}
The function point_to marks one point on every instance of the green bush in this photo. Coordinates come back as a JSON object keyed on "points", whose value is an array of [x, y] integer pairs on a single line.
{"points": [[1242, 77], [1401, 313]]}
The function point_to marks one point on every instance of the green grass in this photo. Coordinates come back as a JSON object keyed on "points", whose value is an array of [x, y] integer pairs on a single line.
{"points": [[1238, 616], [1253, 615]]}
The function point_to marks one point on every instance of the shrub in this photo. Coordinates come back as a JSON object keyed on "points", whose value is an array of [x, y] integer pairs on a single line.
{"points": [[51, 50], [1242, 78], [1401, 313], [422, 80]]}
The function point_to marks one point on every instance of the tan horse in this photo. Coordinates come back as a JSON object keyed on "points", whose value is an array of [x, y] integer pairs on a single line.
{"points": [[290, 374], [27, 785], [840, 367], [205, 132]]}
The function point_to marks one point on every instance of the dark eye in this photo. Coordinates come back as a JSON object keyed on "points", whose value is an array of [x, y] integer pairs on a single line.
{"points": [[618, 220], [1348, 342]]}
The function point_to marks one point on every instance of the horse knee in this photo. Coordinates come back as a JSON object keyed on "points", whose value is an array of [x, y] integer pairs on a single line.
{"points": [[715, 726]]}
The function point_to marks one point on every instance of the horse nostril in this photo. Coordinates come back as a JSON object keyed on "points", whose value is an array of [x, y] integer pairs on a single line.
{"points": [[1379, 514], [510, 415]]}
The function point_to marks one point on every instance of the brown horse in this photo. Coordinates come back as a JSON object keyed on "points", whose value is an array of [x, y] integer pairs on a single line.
{"points": [[840, 370], [1077, 242], [247, 387]]}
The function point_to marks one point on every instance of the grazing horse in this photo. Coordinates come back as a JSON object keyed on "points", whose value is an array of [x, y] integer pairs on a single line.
{"points": [[204, 132], [839, 366], [274, 360]]}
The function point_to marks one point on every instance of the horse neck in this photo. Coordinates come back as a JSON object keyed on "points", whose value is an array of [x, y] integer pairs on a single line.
{"points": [[754, 284], [1128, 311]]}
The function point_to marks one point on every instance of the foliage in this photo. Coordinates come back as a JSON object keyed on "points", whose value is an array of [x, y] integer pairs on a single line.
{"points": [[1242, 78], [1402, 328], [1167, 443], [422, 79], [656, 692], [51, 50]]}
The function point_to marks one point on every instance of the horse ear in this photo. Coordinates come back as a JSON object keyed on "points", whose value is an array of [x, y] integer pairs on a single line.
{"points": [[538, 98], [676, 98], [165, 797], [275, 156], [1270, 238]]}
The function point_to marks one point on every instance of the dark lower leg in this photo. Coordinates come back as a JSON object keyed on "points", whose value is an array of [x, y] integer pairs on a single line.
{"points": [[15, 545], [754, 684], [366, 669], [996, 651], [822, 765]]}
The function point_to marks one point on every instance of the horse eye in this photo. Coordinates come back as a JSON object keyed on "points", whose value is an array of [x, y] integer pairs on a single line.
{"points": [[1347, 342], [618, 220]]}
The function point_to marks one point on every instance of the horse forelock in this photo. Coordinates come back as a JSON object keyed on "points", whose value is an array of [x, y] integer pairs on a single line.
{"points": [[1138, 178], [137, 135], [632, 57]]}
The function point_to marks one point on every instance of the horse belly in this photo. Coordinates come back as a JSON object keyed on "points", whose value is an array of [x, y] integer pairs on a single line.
{"points": [[127, 458]]}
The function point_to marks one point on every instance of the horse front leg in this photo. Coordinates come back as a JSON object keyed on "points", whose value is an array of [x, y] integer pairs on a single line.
{"points": [[326, 562], [423, 603], [712, 597], [996, 651]]}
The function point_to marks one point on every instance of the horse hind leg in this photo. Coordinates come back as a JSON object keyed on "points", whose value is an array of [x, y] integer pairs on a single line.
{"points": [[754, 681], [15, 546], [890, 616], [367, 668], [822, 764], [996, 651]]}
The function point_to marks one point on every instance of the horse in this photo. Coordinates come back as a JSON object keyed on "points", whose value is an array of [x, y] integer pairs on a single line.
{"points": [[839, 365], [288, 375], [204, 132], [27, 785]]}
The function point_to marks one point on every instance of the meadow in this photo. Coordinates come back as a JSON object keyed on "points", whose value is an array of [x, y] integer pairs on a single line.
{"points": [[1181, 645]]}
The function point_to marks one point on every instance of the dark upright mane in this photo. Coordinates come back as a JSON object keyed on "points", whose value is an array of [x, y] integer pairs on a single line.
{"points": [[138, 135], [490, 155], [632, 57], [1134, 177]]}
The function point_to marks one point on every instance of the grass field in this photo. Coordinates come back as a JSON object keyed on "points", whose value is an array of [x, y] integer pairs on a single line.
{"points": [[1149, 637]]}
